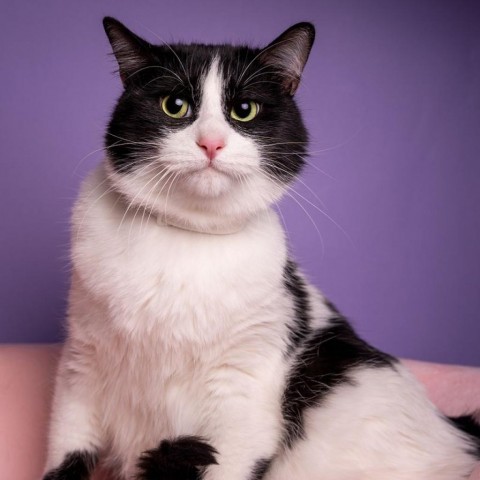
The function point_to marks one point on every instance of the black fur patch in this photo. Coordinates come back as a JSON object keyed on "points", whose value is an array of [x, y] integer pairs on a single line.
{"points": [[469, 425], [184, 458], [296, 287], [75, 466], [328, 357], [260, 469]]}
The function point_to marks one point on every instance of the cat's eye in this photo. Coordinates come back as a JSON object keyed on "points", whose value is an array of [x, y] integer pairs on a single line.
{"points": [[244, 110], [176, 107]]}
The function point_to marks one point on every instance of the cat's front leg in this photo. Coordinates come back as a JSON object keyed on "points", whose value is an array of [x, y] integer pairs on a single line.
{"points": [[238, 444], [194, 458], [74, 440], [243, 454]]}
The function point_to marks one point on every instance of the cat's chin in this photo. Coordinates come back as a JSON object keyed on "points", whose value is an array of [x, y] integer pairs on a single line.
{"points": [[207, 183]]}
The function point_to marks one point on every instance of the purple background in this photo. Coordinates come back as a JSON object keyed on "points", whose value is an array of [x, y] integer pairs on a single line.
{"points": [[392, 98]]}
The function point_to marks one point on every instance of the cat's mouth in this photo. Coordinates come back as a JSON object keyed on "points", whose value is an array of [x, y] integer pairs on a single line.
{"points": [[219, 167], [211, 167]]}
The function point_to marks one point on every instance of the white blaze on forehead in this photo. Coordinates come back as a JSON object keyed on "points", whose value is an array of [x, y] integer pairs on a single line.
{"points": [[211, 118], [212, 91]]}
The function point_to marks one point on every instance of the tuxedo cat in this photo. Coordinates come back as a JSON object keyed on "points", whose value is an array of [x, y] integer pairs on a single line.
{"points": [[196, 348]]}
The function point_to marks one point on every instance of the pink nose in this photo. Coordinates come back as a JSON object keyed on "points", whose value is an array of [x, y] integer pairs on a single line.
{"points": [[211, 145]]}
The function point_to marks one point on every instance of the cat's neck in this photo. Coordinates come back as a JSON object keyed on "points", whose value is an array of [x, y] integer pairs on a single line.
{"points": [[211, 229]]}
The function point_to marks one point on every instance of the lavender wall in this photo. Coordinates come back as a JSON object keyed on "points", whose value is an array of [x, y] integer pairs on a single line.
{"points": [[391, 95]]}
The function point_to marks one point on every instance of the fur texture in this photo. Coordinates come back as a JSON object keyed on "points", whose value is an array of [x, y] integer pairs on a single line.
{"points": [[196, 348]]}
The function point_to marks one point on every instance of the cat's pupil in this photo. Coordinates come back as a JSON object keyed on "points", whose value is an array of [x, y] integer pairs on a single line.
{"points": [[174, 104], [243, 109]]}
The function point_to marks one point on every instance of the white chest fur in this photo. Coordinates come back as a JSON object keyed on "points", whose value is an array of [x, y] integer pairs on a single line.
{"points": [[176, 316], [198, 284]]}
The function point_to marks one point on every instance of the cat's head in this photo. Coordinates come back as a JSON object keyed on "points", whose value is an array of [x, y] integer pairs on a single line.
{"points": [[206, 135]]}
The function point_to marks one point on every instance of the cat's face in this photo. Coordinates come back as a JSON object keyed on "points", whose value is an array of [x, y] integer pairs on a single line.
{"points": [[206, 136]]}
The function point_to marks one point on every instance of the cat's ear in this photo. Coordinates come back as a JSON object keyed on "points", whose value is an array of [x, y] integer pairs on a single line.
{"points": [[288, 53], [132, 52]]}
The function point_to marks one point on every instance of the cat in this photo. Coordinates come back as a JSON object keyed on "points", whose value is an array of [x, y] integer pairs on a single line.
{"points": [[196, 348]]}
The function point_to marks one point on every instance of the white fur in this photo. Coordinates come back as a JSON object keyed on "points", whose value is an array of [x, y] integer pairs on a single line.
{"points": [[173, 332], [380, 427]]}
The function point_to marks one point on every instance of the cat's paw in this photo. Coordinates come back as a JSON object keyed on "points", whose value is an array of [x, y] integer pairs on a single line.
{"points": [[185, 458], [75, 466]]}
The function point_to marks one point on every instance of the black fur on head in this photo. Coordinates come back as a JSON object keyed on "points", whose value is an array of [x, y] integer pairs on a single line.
{"points": [[269, 76]]}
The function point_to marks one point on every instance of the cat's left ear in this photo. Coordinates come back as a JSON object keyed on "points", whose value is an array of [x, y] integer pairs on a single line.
{"points": [[132, 52], [288, 53]]}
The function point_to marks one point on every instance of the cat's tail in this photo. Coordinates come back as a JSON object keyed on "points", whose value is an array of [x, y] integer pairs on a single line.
{"points": [[470, 425], [183, 457]]}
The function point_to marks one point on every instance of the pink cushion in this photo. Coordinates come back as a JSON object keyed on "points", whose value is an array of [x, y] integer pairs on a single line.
{"points": [[26, 381], [26, 385]]}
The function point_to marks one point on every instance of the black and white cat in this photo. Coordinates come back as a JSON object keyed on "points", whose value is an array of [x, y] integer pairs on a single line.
{"points": [[196, 349]]}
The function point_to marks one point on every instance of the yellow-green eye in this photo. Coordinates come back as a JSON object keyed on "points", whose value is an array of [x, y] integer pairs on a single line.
{"points": [[244, 110], [176, 107]]}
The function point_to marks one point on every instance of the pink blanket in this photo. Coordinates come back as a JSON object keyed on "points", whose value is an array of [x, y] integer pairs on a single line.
{"points": [[27, 371]]}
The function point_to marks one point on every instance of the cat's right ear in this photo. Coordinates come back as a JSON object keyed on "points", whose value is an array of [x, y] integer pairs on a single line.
{"points": [[288, 53], [132, 52]]}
